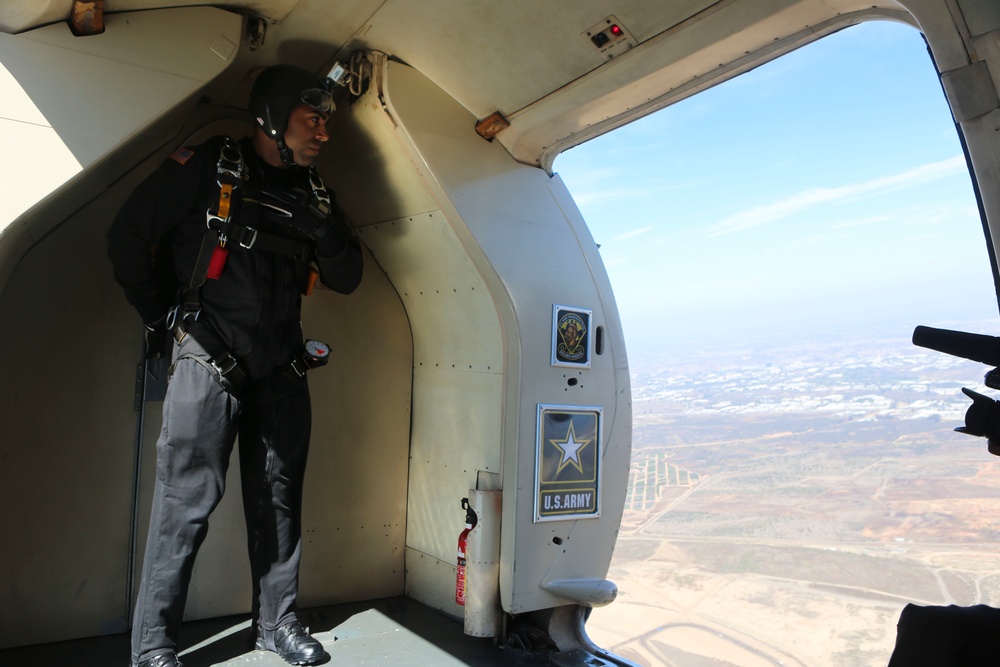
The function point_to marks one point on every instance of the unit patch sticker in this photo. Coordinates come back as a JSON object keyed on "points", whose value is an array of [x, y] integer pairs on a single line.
{"points": [[571, 339], [567, 464]]}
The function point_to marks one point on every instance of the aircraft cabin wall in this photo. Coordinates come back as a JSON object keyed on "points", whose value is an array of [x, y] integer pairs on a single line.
{"points": [[480, 249]]}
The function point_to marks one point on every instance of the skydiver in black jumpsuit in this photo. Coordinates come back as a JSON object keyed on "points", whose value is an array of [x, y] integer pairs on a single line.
{"points": [[232, 307]]}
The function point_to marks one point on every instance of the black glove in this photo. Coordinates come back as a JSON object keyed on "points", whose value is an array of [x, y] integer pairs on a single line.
{"points": [[338, 235], [294, 208], [157, 339], [324, 223]]}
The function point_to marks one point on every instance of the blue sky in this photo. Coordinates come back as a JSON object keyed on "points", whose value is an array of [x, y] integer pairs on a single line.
{"points": [[826, 190]]}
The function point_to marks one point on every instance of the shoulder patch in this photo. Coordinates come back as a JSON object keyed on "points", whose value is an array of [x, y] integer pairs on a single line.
{"points": [[181, 155]]}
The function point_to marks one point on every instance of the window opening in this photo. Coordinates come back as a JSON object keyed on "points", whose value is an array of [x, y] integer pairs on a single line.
{"points": [[772, 243]]}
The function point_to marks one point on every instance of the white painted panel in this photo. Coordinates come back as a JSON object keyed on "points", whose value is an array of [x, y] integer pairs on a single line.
{"points": [[457, 382], [522, 227], [29, 139], [69, 101], [457, 337], [354, 517], [453, 317], [456, 428], [431, 580], [66, 409]]}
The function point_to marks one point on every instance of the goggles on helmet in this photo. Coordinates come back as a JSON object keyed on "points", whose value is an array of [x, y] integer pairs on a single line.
{"points": [[319, 99]]}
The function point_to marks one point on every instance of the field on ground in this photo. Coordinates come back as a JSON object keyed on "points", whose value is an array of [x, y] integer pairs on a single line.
{"points": [[795, 535]]}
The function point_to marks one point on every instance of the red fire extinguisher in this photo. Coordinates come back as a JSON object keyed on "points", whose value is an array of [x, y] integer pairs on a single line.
{"points": [[463, 541]]}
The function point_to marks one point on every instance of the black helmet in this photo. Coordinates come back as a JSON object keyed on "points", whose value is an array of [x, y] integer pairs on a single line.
{"points": [[281, 88]]}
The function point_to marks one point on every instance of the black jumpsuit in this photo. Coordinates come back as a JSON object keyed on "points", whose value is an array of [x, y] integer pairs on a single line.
{"points": [[252, 311]]}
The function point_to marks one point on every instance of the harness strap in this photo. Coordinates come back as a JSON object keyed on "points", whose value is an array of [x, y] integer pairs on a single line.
{"points": [[222, 367], [218, 218], [229, 173], [249, 237], [226, 369], [222, 230]]}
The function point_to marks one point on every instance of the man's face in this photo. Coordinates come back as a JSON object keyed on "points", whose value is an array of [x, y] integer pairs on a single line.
{"points": [[306, 133]]}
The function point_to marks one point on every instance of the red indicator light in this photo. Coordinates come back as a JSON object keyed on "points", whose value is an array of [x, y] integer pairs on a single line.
{"points": [[615, 30]]}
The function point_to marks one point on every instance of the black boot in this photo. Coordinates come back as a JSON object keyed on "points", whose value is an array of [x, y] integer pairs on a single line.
{"points": [[162, 660], [292, 643]]}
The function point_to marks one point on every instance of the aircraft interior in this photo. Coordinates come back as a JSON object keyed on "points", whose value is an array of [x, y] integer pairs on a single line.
{"points": [[445, 381]]}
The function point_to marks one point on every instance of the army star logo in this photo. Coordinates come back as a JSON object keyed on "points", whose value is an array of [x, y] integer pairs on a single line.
{"points": [[570, 448]]}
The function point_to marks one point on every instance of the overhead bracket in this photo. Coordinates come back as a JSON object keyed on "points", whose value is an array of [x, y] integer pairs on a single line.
{"points": [[87, 18], [492, 125], [256, 31]]}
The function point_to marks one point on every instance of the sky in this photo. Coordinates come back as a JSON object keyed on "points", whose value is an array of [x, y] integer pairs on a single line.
{"points": [[822, 193]]}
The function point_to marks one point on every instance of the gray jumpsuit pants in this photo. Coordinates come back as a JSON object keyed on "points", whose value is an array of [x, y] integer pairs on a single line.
{"points": [[201, 421]]}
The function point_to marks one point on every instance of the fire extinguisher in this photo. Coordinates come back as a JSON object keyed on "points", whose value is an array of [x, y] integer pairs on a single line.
{"points": [[463, 541]]}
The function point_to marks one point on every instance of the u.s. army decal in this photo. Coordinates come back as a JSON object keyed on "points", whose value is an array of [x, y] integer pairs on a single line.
{"points": [[567, 464]]}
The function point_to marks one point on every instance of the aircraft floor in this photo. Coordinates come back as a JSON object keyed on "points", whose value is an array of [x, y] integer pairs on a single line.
{"points": [[395, 632]]}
